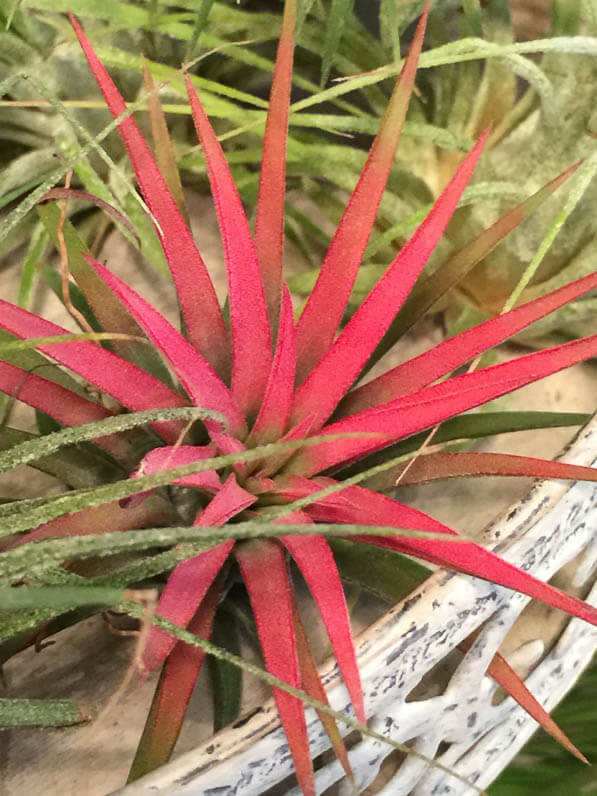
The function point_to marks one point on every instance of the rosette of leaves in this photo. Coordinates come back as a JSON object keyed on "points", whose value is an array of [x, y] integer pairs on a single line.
{"points": [[258, 481]]}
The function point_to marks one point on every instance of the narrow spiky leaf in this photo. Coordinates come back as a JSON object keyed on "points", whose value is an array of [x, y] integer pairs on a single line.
{"points": [[274, 413], [173, 692], [160, 459], [251, 338], [272, 607], [194, 371], [436, 466], [501, 671], [327, 302], [411, 413], [162, 142], [466, 557], [190, 580], [269, 225], [427, 291], [131, 386], [206, 329], [314, 687], [451, 354], [58, 402], [339, 367], [315, 560]]}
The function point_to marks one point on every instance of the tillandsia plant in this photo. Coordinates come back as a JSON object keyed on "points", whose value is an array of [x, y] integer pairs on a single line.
{"points": [[281, 419]]}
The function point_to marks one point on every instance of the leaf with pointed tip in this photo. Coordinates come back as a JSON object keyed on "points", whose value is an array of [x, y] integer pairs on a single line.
{"points": [[366, 507], [332, 508], [173, 692], [339, 367], [195, 373], [271, 602], [427, 291], [190, 580], [473, 425], [269, 224], [435, 466], [339, 10], [384, 573], [100, 520], [162, 142], [206, 329], [131, 386], [326, 304], [226, 678], [454, 352], [62, 404], [274, 413], [501, 671], [314, 558], [311, 682], [160, 459], [432, 405], [249, 324]]}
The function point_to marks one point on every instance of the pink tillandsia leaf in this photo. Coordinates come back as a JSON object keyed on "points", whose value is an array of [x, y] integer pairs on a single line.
{"points": [[431, 405], [251, 338], [174, 690], [206, 329], [190, 580], [274, 413], [194, 371], [130, 385], [160, 459], [314, 687], [58, 402], [100, 519], [339, 367], [462, 556], [326, 304], [429, 290], [436, 466], [456, 351], [269, 225], [501, 671], [271, 601], [315, 560]]}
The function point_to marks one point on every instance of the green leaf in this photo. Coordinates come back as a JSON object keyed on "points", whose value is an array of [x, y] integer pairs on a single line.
{"points": [[57, 597], [389, 575], [226, 679], [40, 713], [339, 11]]}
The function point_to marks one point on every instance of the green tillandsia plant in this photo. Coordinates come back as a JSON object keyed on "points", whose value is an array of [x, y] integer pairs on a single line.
{"points": [[279, 420]]}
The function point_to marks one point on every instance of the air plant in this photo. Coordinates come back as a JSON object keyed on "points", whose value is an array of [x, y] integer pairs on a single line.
{"points": [[263, 378]]}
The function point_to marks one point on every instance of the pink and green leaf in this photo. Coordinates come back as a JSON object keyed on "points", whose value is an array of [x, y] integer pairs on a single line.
{"points": [[436, 466], [456, 351], [206, 329], [429, 290], [190, 580], [194, 371], [466, 557], [501, 671], [314, 687], [340, 366], [132, 387], [423, 409], [269, 225], [271, 601], [173, 692], [326, 304], [272, 420], [315, 560], [251, 337]]}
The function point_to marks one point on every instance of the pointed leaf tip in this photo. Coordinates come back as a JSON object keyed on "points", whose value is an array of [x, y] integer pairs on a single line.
{"points": [[326, 304]]}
